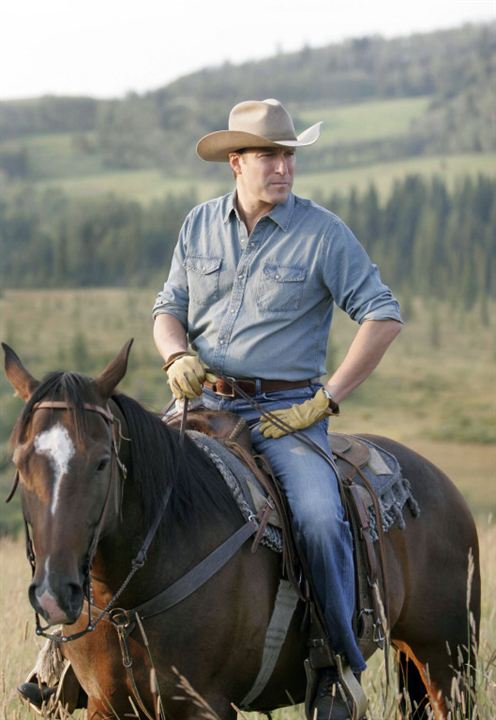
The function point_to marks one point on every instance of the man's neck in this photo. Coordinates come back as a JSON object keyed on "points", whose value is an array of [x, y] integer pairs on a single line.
{"points": [[250, 210]]}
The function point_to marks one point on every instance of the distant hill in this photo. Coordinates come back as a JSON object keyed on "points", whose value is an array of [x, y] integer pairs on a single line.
{"points": [[448, 77]]}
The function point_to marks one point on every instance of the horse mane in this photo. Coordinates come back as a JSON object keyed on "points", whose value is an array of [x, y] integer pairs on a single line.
{"points": [[198, 490], [158, 459]]}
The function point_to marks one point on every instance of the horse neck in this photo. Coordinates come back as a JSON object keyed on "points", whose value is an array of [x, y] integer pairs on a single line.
{"points": [[170, 554]]}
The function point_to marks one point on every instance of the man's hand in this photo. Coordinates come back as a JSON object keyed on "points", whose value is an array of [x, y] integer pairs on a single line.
{"points": [[186, 374], [298, 417]]}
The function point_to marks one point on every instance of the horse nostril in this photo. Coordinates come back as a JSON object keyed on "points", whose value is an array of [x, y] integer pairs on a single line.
{"points": [[32, 597], [74, 598]]}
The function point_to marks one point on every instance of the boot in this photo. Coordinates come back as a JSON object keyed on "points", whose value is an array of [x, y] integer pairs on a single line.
{"points": [[35, 695], [338, 695], [46, 700]]}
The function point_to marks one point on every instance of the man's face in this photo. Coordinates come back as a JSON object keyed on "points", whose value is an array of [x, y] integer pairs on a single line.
{"points": [[264, 174]]}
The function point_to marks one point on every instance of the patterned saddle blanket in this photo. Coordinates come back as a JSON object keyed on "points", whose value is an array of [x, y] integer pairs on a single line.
{"points": [[380, 467]]}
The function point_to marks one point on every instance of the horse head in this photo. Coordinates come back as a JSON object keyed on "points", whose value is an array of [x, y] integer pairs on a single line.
{"points": [[64, 451]]}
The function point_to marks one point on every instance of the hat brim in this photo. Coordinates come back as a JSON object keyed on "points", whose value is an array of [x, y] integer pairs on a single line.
{"points": [[216, 146]]}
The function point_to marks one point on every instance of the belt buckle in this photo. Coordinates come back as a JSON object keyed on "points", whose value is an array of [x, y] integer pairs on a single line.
{"points": [[231, 393]]}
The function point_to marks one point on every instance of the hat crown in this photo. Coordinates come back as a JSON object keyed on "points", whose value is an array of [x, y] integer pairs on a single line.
{"points": [[267, 118]]}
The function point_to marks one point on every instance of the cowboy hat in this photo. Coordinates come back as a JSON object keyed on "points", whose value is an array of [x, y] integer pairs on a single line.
{"points": [[253, 124]]}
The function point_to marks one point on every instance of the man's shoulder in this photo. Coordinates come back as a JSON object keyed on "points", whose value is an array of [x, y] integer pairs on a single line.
{"points": [[310, 207], [213, 206]]}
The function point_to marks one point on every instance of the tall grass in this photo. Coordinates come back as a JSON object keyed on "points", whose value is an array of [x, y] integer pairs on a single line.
{"points": [[419, 395], [20, 645]]}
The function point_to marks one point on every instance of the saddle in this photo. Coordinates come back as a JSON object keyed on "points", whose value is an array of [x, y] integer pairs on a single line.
{"points": [[351, 456]]}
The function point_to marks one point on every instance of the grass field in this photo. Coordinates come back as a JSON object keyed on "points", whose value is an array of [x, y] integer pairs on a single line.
{"points": [[451, 168], [374, 120], [58, 155], [143, 186], [148, 185], [20, 645], [74, 164], [434, 391]]}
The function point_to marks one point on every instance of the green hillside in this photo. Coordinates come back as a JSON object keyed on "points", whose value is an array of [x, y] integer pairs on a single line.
{"points": [[382, 101], [76, 165], [94, 192]]}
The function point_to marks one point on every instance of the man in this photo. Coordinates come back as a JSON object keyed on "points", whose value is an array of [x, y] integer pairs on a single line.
{"points": [[251, 287]]}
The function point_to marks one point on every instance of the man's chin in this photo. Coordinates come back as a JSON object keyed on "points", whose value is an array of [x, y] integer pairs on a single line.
{"points": [[280, 194]]}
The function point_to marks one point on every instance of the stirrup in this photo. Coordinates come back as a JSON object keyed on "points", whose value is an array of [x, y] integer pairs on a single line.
{"points": [[353, 689]]}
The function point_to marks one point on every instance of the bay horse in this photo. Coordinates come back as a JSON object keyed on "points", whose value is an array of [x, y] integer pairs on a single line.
{"points": [[87, 523]]}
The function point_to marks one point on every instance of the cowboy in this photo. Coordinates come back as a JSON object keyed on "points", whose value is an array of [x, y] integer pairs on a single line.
{"points": [[250, 296]]}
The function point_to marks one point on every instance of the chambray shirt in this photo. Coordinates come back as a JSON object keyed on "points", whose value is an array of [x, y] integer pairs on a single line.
{"points": [[261, 305]]}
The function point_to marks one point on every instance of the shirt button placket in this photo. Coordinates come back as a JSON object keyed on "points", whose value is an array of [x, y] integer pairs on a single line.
{"points": [[238, 289]]}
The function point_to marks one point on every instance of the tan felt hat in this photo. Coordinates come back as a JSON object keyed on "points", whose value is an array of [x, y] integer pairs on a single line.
{"points": [[253, 124]]}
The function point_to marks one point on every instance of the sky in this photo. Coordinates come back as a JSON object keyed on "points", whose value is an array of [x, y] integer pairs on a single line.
{"points": [[108, 48]]}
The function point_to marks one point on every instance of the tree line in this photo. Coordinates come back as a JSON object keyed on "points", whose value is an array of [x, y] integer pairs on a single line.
{"points": [[428, 239]]}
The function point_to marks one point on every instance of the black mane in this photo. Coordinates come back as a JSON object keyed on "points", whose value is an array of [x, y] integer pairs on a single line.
{"points": [[158, 459]]}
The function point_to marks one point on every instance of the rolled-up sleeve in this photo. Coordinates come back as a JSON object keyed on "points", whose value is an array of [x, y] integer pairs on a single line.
{"points": [[173, 299], [353, 280]]}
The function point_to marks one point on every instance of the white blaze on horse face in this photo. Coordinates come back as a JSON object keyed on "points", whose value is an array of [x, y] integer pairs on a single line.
{"points": [[56, 443]]}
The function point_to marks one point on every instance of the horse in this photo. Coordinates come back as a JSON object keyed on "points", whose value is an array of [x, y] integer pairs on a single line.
{"points": [[87, 520]]}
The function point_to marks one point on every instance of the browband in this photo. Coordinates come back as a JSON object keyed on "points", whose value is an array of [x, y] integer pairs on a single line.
{"points": [[62, 405]]}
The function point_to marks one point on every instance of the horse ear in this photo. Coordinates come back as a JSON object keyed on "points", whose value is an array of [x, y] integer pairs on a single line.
{"points": [[108, 380], [21, 380]]}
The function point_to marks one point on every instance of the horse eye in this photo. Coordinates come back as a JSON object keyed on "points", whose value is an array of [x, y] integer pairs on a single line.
{"points": [[102, 464]]}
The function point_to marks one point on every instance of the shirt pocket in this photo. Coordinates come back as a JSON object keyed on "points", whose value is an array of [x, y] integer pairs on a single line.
{"points": [[203, 278], [280, 287]]}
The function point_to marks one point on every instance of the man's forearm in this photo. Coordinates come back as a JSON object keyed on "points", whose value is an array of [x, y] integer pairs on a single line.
{"points": [[364, 354], [169, 335]]}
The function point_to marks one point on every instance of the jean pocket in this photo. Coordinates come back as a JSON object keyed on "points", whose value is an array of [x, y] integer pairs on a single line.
{"points": [[280, 287], [203, 278]]}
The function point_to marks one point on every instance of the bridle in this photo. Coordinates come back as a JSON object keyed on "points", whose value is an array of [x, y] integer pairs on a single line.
{"points": [[117, 467]]}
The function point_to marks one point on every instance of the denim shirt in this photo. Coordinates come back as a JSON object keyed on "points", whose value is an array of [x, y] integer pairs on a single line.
{"points": [[261, 305]]}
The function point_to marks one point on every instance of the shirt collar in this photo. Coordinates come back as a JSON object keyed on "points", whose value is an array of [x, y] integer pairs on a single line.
{"points": [[280, 214], [230, 207]]}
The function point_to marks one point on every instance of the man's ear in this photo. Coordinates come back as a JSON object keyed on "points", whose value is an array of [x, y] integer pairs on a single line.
{"points": [[235, 163]]}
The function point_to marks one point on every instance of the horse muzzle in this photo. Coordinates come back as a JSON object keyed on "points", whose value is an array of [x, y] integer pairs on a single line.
{"points": [[58, 604]]}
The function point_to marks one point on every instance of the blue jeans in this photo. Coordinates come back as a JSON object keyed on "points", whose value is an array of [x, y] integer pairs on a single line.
{"points": [[311, 488]]}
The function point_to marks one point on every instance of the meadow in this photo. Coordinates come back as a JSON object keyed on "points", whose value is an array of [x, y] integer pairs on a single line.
{"points": [[147, 185], [75, 164], [372, 120], [434, 391]]}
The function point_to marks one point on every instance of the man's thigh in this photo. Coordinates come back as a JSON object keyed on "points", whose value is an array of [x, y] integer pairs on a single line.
{"points": [[308, 480]]}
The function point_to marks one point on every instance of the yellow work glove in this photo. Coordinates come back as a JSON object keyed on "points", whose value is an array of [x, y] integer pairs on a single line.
{"points": [[300, 416], [186, 374]]}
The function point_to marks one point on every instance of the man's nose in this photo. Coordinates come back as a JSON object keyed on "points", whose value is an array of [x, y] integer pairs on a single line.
{"points": [[282, 165]]}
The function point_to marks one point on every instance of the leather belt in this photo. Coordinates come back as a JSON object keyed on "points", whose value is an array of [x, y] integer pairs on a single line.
{"points": [[253, 386]]}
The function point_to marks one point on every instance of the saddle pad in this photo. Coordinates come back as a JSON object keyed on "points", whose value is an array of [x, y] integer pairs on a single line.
{"points": [[393, 491], [239, 479], [381, 469]]}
